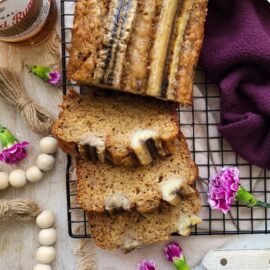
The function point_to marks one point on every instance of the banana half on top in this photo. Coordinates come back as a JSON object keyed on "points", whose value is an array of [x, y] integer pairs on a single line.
{"points": [[143, 47]]}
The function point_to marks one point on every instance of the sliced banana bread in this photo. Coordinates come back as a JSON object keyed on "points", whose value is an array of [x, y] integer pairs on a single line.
{"points": [[103, 186], [130, 230], [120, 128], [144, 47]]}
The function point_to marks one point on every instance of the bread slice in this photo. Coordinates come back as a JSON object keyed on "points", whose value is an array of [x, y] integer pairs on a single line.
{"points": [[103, 186], [119, 128], [143, 47], [130, 230]]}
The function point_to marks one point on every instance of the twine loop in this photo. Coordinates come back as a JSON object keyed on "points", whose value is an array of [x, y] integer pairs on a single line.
{"points": [[21, 210], [22, 102], [36, 118], [4, 209]]}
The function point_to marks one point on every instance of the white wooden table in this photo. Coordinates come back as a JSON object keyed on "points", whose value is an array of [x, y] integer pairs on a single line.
{"points": [[18, 242]]}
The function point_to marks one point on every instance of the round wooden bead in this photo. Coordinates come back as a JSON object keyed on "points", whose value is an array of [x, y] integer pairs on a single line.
{"points": [[3, 180], [42, 267], [48, 145], [34, 174], [45, 162], [17, 178], [46, 255], [45, 219], [47, 237]]}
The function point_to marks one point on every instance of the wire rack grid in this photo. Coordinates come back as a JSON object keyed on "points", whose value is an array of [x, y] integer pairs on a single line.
{"points": [[210, 152]]}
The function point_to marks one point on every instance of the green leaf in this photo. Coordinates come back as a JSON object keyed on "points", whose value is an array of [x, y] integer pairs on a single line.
{"points": [[6, 138], [245, 197], [41, 71], [263, 204], [181, 264]]}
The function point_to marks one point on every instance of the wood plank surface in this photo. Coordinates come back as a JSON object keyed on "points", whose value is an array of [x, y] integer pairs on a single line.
{"points": [[18, 242]]}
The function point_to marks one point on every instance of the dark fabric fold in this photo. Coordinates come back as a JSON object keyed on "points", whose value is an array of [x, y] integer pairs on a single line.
{"points": [[236, 56]]}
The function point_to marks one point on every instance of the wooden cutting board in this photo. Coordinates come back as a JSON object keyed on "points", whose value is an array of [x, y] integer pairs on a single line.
{"points": [[237, 260]]}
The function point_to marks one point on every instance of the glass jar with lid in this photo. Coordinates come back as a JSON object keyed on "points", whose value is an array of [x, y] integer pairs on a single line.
{"points": [[26, 22]]}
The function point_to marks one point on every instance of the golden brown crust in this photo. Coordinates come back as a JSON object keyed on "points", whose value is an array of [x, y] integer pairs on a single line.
{"points": [[189, 55], [70, 147], [88, 30]]}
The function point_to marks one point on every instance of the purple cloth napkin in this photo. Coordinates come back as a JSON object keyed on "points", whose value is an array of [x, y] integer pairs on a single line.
{"points": [[236, 56]]}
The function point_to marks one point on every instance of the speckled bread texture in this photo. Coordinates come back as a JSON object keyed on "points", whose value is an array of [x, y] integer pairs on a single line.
{"points": [[130, 230], [138, 187], [143, 47], [114, 118]]}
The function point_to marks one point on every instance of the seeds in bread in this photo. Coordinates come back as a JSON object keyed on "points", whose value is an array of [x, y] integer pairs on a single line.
{"points": [[140, 187], [143, 47], [121, 128], [130, 230]]}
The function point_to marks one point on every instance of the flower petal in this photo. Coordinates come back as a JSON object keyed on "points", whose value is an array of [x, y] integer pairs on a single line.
{"points": [[146, 265], [14, 153], [223, 188], [55, 78], [172, 251]]}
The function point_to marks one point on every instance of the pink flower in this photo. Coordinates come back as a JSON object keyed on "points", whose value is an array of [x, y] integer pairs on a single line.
{"points": [[14, 153], [48, 74], [223, 188], [173, 251], [146, 265], [54, 78]]}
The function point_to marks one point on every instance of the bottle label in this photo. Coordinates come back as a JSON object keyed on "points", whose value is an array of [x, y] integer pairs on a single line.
{"points": [[21, 20]]}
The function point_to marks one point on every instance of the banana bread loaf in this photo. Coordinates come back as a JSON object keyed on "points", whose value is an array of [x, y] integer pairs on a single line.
{"points": [[119, 128], [130, 230], [106, 187], [143, 47]]}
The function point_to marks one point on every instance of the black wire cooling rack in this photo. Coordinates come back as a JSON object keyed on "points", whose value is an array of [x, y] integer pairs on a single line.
{"points": [[210, 152]]}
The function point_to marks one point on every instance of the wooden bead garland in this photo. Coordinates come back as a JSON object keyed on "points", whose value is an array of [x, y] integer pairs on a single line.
{"points": [[46, 253], [45, 162], [25, 210]]}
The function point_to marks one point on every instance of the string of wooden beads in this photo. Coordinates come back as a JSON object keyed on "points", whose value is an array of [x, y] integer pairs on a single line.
{"points": [[45, 162], [24, 211], [46, 253]]}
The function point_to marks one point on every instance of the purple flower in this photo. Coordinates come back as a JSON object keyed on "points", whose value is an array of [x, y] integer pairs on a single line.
{"points": [[15, 153], [47, 74], [223, 188], [173, 251], [55, 78], [12, 151], [146, 265]]}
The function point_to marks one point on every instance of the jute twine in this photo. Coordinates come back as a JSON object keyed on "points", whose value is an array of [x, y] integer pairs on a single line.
{"points": [[86, 257], [11, 90], [21, 210], [85, 253]]}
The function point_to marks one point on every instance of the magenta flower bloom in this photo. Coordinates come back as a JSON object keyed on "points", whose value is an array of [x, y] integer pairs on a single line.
{"points": [[223, 188], [12, 151], [47, 74], [55, 78], [174, 253], [146, 265]]}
